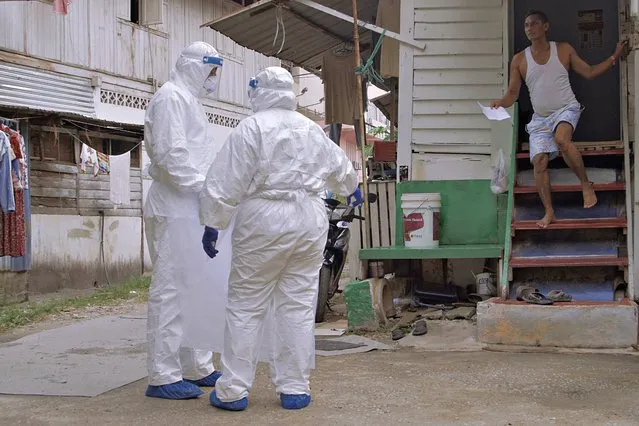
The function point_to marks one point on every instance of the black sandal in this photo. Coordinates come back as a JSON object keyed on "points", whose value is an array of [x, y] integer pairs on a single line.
{"points": [[523, 290], [559, 296], [536, 298], [398, 334], [420, 328]]}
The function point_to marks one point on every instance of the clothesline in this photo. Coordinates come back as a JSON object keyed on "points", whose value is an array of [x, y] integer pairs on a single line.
{"points": [[9, 123], [103, 153], [75, 123]]}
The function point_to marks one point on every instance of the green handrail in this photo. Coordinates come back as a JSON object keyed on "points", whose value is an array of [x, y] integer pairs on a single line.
{"points": [[504, 283]]}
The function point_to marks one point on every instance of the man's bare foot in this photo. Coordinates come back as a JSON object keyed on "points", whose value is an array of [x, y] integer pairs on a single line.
{"points": [[590, 198], [546, 220]]}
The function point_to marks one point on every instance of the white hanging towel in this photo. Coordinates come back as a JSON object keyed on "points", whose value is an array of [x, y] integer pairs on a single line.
{"points": [[120, 179], [89, 156]]}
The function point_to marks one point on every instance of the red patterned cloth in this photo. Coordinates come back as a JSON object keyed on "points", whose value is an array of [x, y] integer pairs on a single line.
{"points": [[12, 229], [13, 240]]}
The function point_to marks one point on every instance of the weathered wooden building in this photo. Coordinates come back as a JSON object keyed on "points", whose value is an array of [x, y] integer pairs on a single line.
{"points": [[86, 78]]}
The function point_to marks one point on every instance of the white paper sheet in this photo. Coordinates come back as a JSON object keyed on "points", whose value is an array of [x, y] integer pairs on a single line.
{"points": [[497, 114]]}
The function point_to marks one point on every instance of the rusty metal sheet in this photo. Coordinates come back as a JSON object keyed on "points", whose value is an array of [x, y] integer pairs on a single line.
{"points": [[309, 32]]}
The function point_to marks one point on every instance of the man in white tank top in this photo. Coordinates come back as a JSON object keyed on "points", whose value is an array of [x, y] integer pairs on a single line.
{"points": [[544, 67]]}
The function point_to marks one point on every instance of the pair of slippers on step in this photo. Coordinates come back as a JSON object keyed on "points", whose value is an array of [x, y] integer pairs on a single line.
{"points": [[532, 295], [419, 329]]}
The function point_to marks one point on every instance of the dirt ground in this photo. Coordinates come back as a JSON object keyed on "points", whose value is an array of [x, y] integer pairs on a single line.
{"points": [[380, 388], [404, 386]]}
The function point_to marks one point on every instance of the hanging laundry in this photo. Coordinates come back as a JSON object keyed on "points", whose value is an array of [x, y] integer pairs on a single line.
{"points": [[103, 161], [388, 18], [340, 87], [7, 199], [12, 219], [119, 177], [89, 157], [24, 172], [13, 240], [61, 6], [18, 157], [15, 139], [13, 178]]}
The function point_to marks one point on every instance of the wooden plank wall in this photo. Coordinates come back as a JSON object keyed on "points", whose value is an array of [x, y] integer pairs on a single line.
{"points": [[62, 189], [381, 226], [463, 64]]}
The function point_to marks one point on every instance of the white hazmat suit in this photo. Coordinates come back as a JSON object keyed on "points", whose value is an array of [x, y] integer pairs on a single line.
{"points": [[275, 165], [179, 145]]}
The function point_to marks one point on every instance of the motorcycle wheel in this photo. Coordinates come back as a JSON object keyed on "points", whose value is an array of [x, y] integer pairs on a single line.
{"points": [[322, 295]]}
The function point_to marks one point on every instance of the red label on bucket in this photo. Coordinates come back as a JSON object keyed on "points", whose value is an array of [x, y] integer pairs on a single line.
{"points": [[412, 222]]}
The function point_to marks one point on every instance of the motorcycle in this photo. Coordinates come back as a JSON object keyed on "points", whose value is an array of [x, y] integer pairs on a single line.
{"points": [[340, 216]]}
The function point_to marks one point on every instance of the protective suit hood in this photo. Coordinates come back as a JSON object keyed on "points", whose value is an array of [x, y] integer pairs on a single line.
{"points": [[190, 71], [272, 89]]}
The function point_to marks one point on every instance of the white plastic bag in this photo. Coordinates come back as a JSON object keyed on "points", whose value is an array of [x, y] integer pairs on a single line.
{"points": [[499, 181]]}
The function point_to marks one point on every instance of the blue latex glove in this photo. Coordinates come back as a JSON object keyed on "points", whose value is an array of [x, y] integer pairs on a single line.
{"points": [[208, 241], [355, 199]]}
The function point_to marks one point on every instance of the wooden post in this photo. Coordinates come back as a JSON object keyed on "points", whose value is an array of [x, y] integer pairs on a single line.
{"points": [[362, 127]]}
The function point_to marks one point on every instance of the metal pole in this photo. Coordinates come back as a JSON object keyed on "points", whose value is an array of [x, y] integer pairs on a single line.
{"points": [[362, 127], [392, 118]]}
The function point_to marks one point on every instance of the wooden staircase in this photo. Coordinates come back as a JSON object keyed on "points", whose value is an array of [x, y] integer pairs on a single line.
{"points": [[585, 251]]}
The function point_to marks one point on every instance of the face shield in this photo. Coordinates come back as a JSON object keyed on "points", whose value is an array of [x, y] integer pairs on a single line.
{"points": [[212, 81]]}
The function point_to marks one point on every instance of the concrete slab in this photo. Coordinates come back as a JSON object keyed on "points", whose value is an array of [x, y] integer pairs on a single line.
{"points": [[459, 336], [569, 325], [83, 359]]}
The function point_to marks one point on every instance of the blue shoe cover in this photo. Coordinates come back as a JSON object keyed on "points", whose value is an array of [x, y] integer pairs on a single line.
{"points": [[208, 381], [295, 402], [177, 390], [238, 405]]}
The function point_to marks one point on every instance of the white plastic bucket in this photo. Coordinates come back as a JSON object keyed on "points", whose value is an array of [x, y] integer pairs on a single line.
{"points": [[421, 219]]}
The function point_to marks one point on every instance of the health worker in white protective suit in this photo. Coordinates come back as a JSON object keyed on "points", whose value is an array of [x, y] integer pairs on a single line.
{"points": [[181, 151], [275, 165]]}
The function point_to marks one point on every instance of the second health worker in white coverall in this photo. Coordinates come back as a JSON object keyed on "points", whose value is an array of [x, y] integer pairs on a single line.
{"points": [[275, 165], [181, 151]]}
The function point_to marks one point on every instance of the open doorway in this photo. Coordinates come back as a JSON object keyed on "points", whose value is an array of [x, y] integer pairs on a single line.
{"points": [[592, 28]]}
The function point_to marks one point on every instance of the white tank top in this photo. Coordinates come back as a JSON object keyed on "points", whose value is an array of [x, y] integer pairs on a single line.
{"points": [[548, 84]]}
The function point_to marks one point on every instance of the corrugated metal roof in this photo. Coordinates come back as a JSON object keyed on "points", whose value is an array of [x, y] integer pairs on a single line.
{"points": [[22, 86], [26, 112], [309, 32], [385, 104]]}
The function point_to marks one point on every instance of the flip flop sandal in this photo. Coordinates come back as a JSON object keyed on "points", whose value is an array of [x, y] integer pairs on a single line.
{"points": [[523, 290], [397, 334], [559, 296], [536, 298], [420, 328]]}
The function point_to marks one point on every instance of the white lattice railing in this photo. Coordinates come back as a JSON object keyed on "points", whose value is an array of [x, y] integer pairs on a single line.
{"points": [[123, 99], [112, 97], [222, 120]]}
